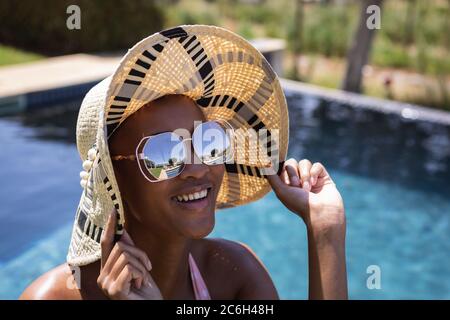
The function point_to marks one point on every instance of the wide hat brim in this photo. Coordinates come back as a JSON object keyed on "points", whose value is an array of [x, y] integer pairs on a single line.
{"points": [[224, 74]]}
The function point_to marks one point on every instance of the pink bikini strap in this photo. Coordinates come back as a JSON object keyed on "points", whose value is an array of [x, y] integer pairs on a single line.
{"points": [[200, 289]]}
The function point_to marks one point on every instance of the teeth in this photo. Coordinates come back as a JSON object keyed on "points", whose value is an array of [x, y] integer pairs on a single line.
{"points": [[192, 196]]}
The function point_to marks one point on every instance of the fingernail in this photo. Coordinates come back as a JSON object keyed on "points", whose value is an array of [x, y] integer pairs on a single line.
{"points": [[306, 185], [149, 265]]}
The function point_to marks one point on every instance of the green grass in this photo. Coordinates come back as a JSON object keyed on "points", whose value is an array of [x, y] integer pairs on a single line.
{"points": [[10, 55]]}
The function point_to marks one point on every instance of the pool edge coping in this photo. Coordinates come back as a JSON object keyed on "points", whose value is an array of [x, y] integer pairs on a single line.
{"points": [[407, 111]]}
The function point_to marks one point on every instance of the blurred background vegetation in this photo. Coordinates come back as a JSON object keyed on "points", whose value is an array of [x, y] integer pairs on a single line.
{"points": [[409, 59], [40, 26]]}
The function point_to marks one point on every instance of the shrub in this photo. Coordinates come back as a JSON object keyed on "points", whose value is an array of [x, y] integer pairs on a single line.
{"points": [[40, 26], [388, 54], [327, 30]]}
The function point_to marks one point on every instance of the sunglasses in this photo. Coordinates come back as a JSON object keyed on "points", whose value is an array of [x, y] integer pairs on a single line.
{"points": [[164, 156]]}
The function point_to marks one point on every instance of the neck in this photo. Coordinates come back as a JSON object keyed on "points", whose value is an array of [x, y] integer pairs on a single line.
{"points": [[168, 254]]}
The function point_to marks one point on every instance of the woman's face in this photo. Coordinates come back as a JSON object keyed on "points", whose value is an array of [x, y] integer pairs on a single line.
{"points": [[154, 205]]}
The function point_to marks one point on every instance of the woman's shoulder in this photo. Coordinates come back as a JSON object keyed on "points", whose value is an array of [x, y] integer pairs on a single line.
{"points": [[57, 284], [239, 264], [222, 248]]}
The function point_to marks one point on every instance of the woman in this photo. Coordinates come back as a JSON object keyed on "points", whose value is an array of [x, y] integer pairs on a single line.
{"points": [[146, 209]]}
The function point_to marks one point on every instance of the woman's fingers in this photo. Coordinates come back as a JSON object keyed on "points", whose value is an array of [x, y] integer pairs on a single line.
{"points": [[304, 167], [124, 263], [125, 259], [120, 247], [291, 168], [107, 240], [317, 170], [299, 174], [294, 174], [121, 287], [126, 238], [288, 173], [276, 182]]}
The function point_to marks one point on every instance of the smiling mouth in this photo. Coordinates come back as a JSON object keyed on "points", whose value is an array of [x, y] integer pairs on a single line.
{"points": [[192, 196], [193, 201]]}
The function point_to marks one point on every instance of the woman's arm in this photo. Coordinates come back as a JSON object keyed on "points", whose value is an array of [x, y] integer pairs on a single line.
{"points": [[308, 190], [327, 270]]}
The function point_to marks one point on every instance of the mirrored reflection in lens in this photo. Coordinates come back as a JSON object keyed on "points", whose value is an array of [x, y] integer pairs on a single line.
{"points": [[212, 142], [164, 155]]}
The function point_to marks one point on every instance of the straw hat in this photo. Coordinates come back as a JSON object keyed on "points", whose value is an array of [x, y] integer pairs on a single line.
{"points": [[226, 76]]}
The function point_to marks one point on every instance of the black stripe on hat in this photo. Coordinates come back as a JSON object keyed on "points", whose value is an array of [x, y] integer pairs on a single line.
{"points": [[136, 73], [123, 99], [206, 70], [219, 101], [99, 235], [134, 82], [114, 123], [248, 170], [251, 170], [174, 32], [113, 106], [204, 101], [158, 47], [148, 55], [142, 63], [87, 226], [81, 219]]}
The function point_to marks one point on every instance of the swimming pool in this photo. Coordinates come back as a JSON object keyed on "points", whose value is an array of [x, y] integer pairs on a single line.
{"points": [[393, 174]]}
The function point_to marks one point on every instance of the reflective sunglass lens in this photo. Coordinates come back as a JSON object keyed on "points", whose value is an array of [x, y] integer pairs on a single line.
{"points": [[164, 156], [212, 142]]}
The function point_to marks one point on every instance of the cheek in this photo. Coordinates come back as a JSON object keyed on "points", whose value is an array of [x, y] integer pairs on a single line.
{"points": [[151, 196], [139, 194], [217, 172]]}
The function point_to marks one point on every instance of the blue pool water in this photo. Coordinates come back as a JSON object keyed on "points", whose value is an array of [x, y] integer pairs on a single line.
{"points": [[393, 174]]}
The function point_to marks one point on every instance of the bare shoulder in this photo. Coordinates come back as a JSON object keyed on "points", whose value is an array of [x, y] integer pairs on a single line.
{"points": [[56, 284], [239, 263]]}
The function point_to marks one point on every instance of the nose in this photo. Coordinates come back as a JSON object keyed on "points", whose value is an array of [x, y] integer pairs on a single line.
{"points": [[195, 168], [196, 171]]}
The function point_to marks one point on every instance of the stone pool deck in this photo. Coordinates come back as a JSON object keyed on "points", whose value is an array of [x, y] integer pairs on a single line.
{"points": [[56, 78], [55, 72]]}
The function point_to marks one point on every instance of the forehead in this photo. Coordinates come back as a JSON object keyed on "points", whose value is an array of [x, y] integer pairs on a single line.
{"points": [[165, 114]]}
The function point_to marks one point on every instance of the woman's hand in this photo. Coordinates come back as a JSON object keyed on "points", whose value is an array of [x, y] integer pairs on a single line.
{"points": [[124, 273], [308, 190]]}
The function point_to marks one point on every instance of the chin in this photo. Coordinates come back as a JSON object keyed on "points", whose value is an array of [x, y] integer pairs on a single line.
{"points": [[200, 229]]}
